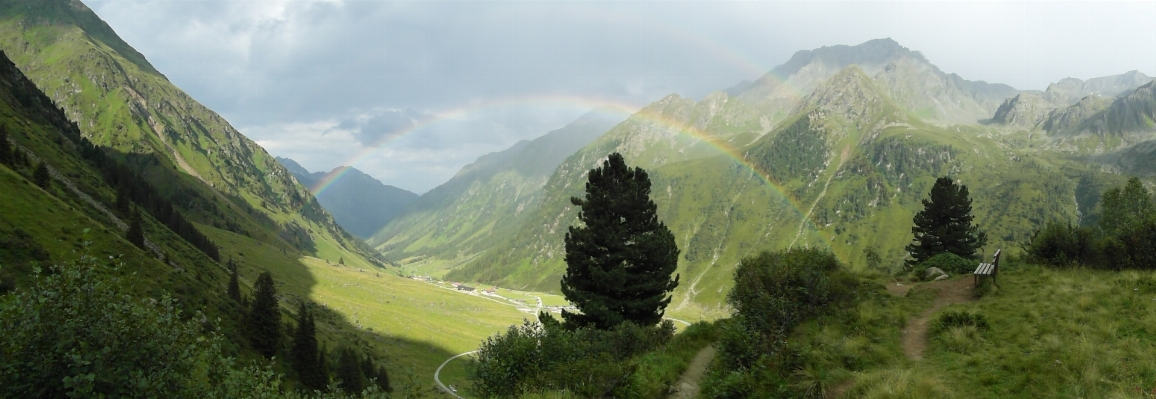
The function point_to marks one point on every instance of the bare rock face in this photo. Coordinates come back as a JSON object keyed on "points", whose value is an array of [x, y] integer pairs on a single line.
{"points": [[1028, 110]]}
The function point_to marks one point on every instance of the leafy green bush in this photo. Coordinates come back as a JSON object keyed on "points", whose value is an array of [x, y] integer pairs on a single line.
{"points": [[950, 263], [955, 318], [72, 334], [1062, 244], [774, 292], [586, 362]]}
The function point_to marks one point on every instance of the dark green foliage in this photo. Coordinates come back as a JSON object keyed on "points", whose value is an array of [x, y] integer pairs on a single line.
{"points": [[796, 153], [950, 263], [349, 371], [944, 224], [774, 292], [263, 323], [19, 254], [303, 354], [1122, 207], [955, 318], [1062, 244], [72, 334], [234, 290], [5, 147], [323, 365], [123, 200], [40, 175], [375, 374], [620, 259], [135, 233], [586, 361]]}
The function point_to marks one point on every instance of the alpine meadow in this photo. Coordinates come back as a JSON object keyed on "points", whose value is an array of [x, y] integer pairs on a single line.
{"points": [[576, 200]]}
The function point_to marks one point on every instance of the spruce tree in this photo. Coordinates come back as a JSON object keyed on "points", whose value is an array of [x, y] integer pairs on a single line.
{"points": [[234, 289], [5, 147], [944, 224], [304, 351], [264, 321], [323, 366], [135, 233], [619, 260], [349, 371], [40, 175]]}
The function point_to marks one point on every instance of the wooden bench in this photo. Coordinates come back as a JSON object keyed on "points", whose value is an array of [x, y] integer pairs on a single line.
{"points": [[988, 269]]}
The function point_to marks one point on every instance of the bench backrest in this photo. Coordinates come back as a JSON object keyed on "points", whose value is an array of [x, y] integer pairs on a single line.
{"points": [[995, 261]]}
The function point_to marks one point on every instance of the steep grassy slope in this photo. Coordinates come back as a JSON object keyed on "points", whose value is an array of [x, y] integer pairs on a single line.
{"points": [[485, 200], [359, 203], [121, 102]]}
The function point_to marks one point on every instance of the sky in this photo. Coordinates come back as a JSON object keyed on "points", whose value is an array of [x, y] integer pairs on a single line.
{"points": [[411, 91]]}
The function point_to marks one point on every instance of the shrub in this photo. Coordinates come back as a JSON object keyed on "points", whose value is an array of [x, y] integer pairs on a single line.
{"points": [[587, 362], [1062, 244], [774, 292], [955, 318], [72, 334], [948, 262]]}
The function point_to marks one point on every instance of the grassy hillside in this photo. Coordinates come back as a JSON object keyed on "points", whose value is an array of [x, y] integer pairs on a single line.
{"points": [[847, 172]]}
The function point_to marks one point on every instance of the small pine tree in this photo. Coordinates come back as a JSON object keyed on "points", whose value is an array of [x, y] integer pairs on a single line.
{"points": [[234, 289], [304, 351], [40, 175], [135, 233], [619, 261], [5, 147], [378, 374], [341, 261], [123, 202], [349, 371], [323, 366], [264, 321], [944, 224]]}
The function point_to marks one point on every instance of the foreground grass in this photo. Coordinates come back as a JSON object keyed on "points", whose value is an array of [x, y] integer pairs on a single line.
{"points": [[1058, 333]]}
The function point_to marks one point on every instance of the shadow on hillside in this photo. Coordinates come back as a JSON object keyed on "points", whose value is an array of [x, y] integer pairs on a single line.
{"points": [[257, 243]]}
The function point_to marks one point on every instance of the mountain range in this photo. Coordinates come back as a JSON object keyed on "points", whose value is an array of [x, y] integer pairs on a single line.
{"points": [[359, 203], [833, 149]]}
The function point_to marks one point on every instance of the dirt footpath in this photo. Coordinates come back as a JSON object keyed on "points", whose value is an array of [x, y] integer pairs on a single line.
{"points": [[687, 385], [914, 338]]}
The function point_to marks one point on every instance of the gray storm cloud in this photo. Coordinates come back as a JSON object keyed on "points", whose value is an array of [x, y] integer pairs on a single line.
{"points": [[289, 72]]}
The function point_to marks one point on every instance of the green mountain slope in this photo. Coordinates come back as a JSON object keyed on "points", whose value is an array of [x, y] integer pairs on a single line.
{"points": [[845, 170], [186, 150], [485, 200], [359, 203]]}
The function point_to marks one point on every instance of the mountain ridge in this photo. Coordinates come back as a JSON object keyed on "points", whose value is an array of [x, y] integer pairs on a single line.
{"points": [[358, 202]]}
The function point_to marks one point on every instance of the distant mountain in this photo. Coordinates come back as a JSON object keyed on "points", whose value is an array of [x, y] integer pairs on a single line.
{"points": [[466, 215], [358, 202], [1072, 107], [905, 75]]}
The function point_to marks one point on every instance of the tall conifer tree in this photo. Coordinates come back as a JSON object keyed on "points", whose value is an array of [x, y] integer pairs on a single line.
{"points": [[349, 371], [944, 224], [5, 147], [264, 321], [135, 233], [40, 175], [304, 351], [619, 260], [234, 289]]}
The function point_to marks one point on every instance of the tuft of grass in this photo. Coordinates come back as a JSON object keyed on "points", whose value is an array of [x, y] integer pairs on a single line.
{"points": [[901, 383]]}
